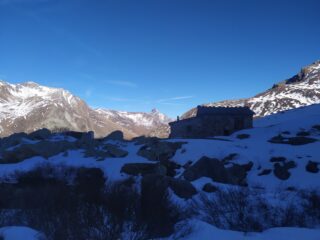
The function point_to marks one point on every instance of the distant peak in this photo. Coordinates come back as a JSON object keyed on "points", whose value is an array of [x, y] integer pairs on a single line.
{"points": [[30, 84], [154, 110]]}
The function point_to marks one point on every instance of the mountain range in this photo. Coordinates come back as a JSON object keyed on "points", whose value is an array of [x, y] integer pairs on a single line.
{"points": [[28, 106]]}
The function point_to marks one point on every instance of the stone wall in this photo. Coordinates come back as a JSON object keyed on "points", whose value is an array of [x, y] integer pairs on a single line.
{"points": [[209, 126]]}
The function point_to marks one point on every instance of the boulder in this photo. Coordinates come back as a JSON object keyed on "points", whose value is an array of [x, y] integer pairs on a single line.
{"points": [[182, 188], [300, 140], [116, 135], [281, 170], [143, 169], [114, 151], [40, 134], [44, 149], [312, 167], [265, 172], [159, 150], [215, 169], [209, 188], [158, 183], [144, 140]]}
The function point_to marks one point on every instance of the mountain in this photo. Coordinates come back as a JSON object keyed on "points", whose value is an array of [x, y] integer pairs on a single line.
{"points": [[300, 90], [29, 106], [139, 123]]}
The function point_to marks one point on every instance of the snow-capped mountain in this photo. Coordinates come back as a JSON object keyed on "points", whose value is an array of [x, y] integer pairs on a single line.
{"points": [[29, 106], [140, 123], [301, 90]]}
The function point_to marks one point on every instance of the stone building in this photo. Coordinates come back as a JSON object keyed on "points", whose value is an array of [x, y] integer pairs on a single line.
{"points": [[212, 121]]}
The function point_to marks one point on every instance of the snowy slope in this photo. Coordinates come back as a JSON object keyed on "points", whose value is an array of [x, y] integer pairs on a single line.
{"points": [[302, 89]]}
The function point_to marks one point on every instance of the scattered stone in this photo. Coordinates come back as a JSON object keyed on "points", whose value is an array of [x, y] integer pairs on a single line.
{"points": [[303, 134], [209, 187], [243, 136], [278, 159], [293, 140], [230, 157], [281, 170], [144, 140], [136, 169], [159, 150], [215, 169], [312, 167], [265, 172], [114, 151], [44, 149], [154, 182]]}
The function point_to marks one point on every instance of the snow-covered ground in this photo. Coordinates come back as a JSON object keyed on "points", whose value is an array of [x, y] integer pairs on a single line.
{"points": [[205, 231], [20, 233], [256, 149]]}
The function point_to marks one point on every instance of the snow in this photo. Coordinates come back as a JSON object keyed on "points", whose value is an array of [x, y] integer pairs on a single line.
{"points": [[19, 233], [21, 99], [205, 231]]}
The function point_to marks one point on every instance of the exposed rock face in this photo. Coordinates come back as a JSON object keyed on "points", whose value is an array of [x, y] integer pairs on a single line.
{"points": [[29, 106], [301, 90], [215, 169]]}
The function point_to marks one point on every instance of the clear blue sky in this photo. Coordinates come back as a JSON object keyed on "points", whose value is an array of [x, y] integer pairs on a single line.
{"points": [[168, 54]]}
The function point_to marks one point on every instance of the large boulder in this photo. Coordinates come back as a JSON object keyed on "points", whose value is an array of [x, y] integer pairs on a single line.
{"points": [[216, 170], [40, 134], [44, 149], [115, 135], [143, 169], [107, 151], [114, 151], [159, 150]]}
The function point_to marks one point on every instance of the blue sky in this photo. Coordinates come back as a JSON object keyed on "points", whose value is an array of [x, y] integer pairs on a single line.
{"points": [[166, 54]]}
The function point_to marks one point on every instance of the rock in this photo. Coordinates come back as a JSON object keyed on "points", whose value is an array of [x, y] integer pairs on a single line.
{"points": [[281, 170], [44, 149], [215, 169], [243, 136], [12, 140], [312, 167], [40, 134], [154, 183], [159, 150], [115, 151], [303, 134], [116, 135], [144, 140], [265, 172], [278, 159], [230, 157], [208, 187], [292, 140], [74, 134], [182, 188], [87, 140], [143, 169]]}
